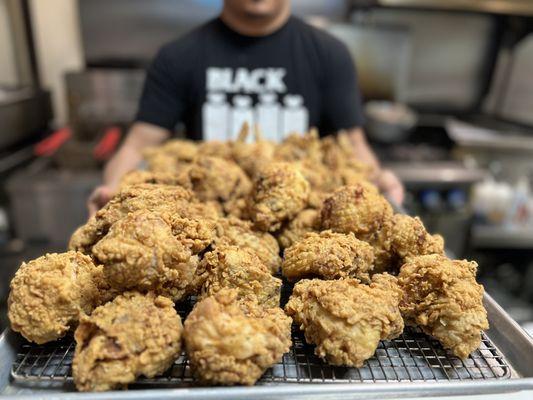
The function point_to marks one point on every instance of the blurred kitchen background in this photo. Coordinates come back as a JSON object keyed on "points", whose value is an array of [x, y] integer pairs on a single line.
{"points": [[448, 86]]}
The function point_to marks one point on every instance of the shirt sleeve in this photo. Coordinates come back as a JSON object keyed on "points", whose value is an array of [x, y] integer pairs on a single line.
{"points": [[342, 104], [162, 101]]}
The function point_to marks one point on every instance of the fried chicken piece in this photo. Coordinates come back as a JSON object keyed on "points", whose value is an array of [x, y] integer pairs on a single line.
{"points": [[252, 156], [216, 148], [328, 255], [171, 156], [296, 147], [231, 341], [173, 200], [442, 297], [131, 336], [346, 319], [316, 200], [362, 210], [216, 179], [306, 221], [280, 192], [165, 178], [338, 154], [241, 269], [410, 238], [144, 252], [381, 241], [48, 295], [85, 236], [233, 231], [359, 209]]}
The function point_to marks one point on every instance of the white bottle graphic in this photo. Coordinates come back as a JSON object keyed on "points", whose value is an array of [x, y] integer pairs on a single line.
{"points": [[215, 117], [295, 115], [268, 113], [242, 112]]}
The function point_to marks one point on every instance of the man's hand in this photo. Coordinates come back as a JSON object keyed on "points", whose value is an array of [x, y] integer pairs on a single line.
{"points": [[391, 186], [99, 198]]}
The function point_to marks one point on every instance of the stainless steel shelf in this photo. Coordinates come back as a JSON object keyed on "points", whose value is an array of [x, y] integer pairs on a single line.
{"points": [[497, 237], [507, 7]]}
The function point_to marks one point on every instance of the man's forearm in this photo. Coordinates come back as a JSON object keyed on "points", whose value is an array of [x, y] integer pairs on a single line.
{"points": [[124, 161], [130, 155], [362, 150], [385, 179]]}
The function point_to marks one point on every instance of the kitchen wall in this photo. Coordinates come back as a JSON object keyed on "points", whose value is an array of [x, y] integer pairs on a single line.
{"points": [[58, 46], [8, 70]]}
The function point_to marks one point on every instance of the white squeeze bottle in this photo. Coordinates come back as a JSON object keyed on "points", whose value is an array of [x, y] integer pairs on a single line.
{"points": [[215, 117], [295, 116], [268, 116]]}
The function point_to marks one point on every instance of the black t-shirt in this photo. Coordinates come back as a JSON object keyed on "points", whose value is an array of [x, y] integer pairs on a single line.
{"points": [[214, 79]]}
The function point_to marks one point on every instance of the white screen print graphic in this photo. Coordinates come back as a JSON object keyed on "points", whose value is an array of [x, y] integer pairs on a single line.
{"points": [[229, 103]]}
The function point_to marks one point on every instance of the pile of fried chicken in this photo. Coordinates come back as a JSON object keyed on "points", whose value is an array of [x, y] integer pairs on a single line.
{"points": [[211, 220]]}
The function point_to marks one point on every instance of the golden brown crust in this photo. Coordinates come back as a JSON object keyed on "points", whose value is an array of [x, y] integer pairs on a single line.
{"points": [[157, 178], [220, 180], [48, 295], [328, 255], [171, 200], [280, 192], [233, 231], [346, 319], [142, 252], [359, 209], [297, 147], [444, 299], [171, 156], [410, 238], [306, 221], [252, 156], [235, 268], [231, 341], [131, 336]]}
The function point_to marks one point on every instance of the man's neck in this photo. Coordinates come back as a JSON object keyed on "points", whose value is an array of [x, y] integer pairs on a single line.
{"points": [[255, 27]]}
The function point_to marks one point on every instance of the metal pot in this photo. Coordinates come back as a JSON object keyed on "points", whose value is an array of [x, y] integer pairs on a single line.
{"points": [[389, 122]]}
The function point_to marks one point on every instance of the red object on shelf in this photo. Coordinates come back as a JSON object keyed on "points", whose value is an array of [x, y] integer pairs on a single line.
{"points": [[108, 144], [52, 143]]}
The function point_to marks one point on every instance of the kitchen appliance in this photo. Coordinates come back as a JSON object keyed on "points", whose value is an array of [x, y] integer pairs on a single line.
{"points": [[16, 104]]}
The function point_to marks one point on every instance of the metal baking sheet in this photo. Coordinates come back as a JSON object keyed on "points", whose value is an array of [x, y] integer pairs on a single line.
{"points": [[412, 365], [413, 357]]}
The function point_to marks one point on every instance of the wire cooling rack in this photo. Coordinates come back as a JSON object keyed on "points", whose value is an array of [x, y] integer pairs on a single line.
{"points": [[413, 357]]}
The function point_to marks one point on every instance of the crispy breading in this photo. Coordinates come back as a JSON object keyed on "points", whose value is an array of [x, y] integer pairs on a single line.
{"points": [[233, 231], [410, 238], [254, 155], [216, 179], [280, 192], [306, 221], [131, 336], [346, 319], [216, 148], [298, 146], [328, 255], [362, 210], [48, 294], [233, 341], [241, 269], [143, 252], [442, 297], [171, 157], [165, 178], [173, 200], [359, 209]]}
